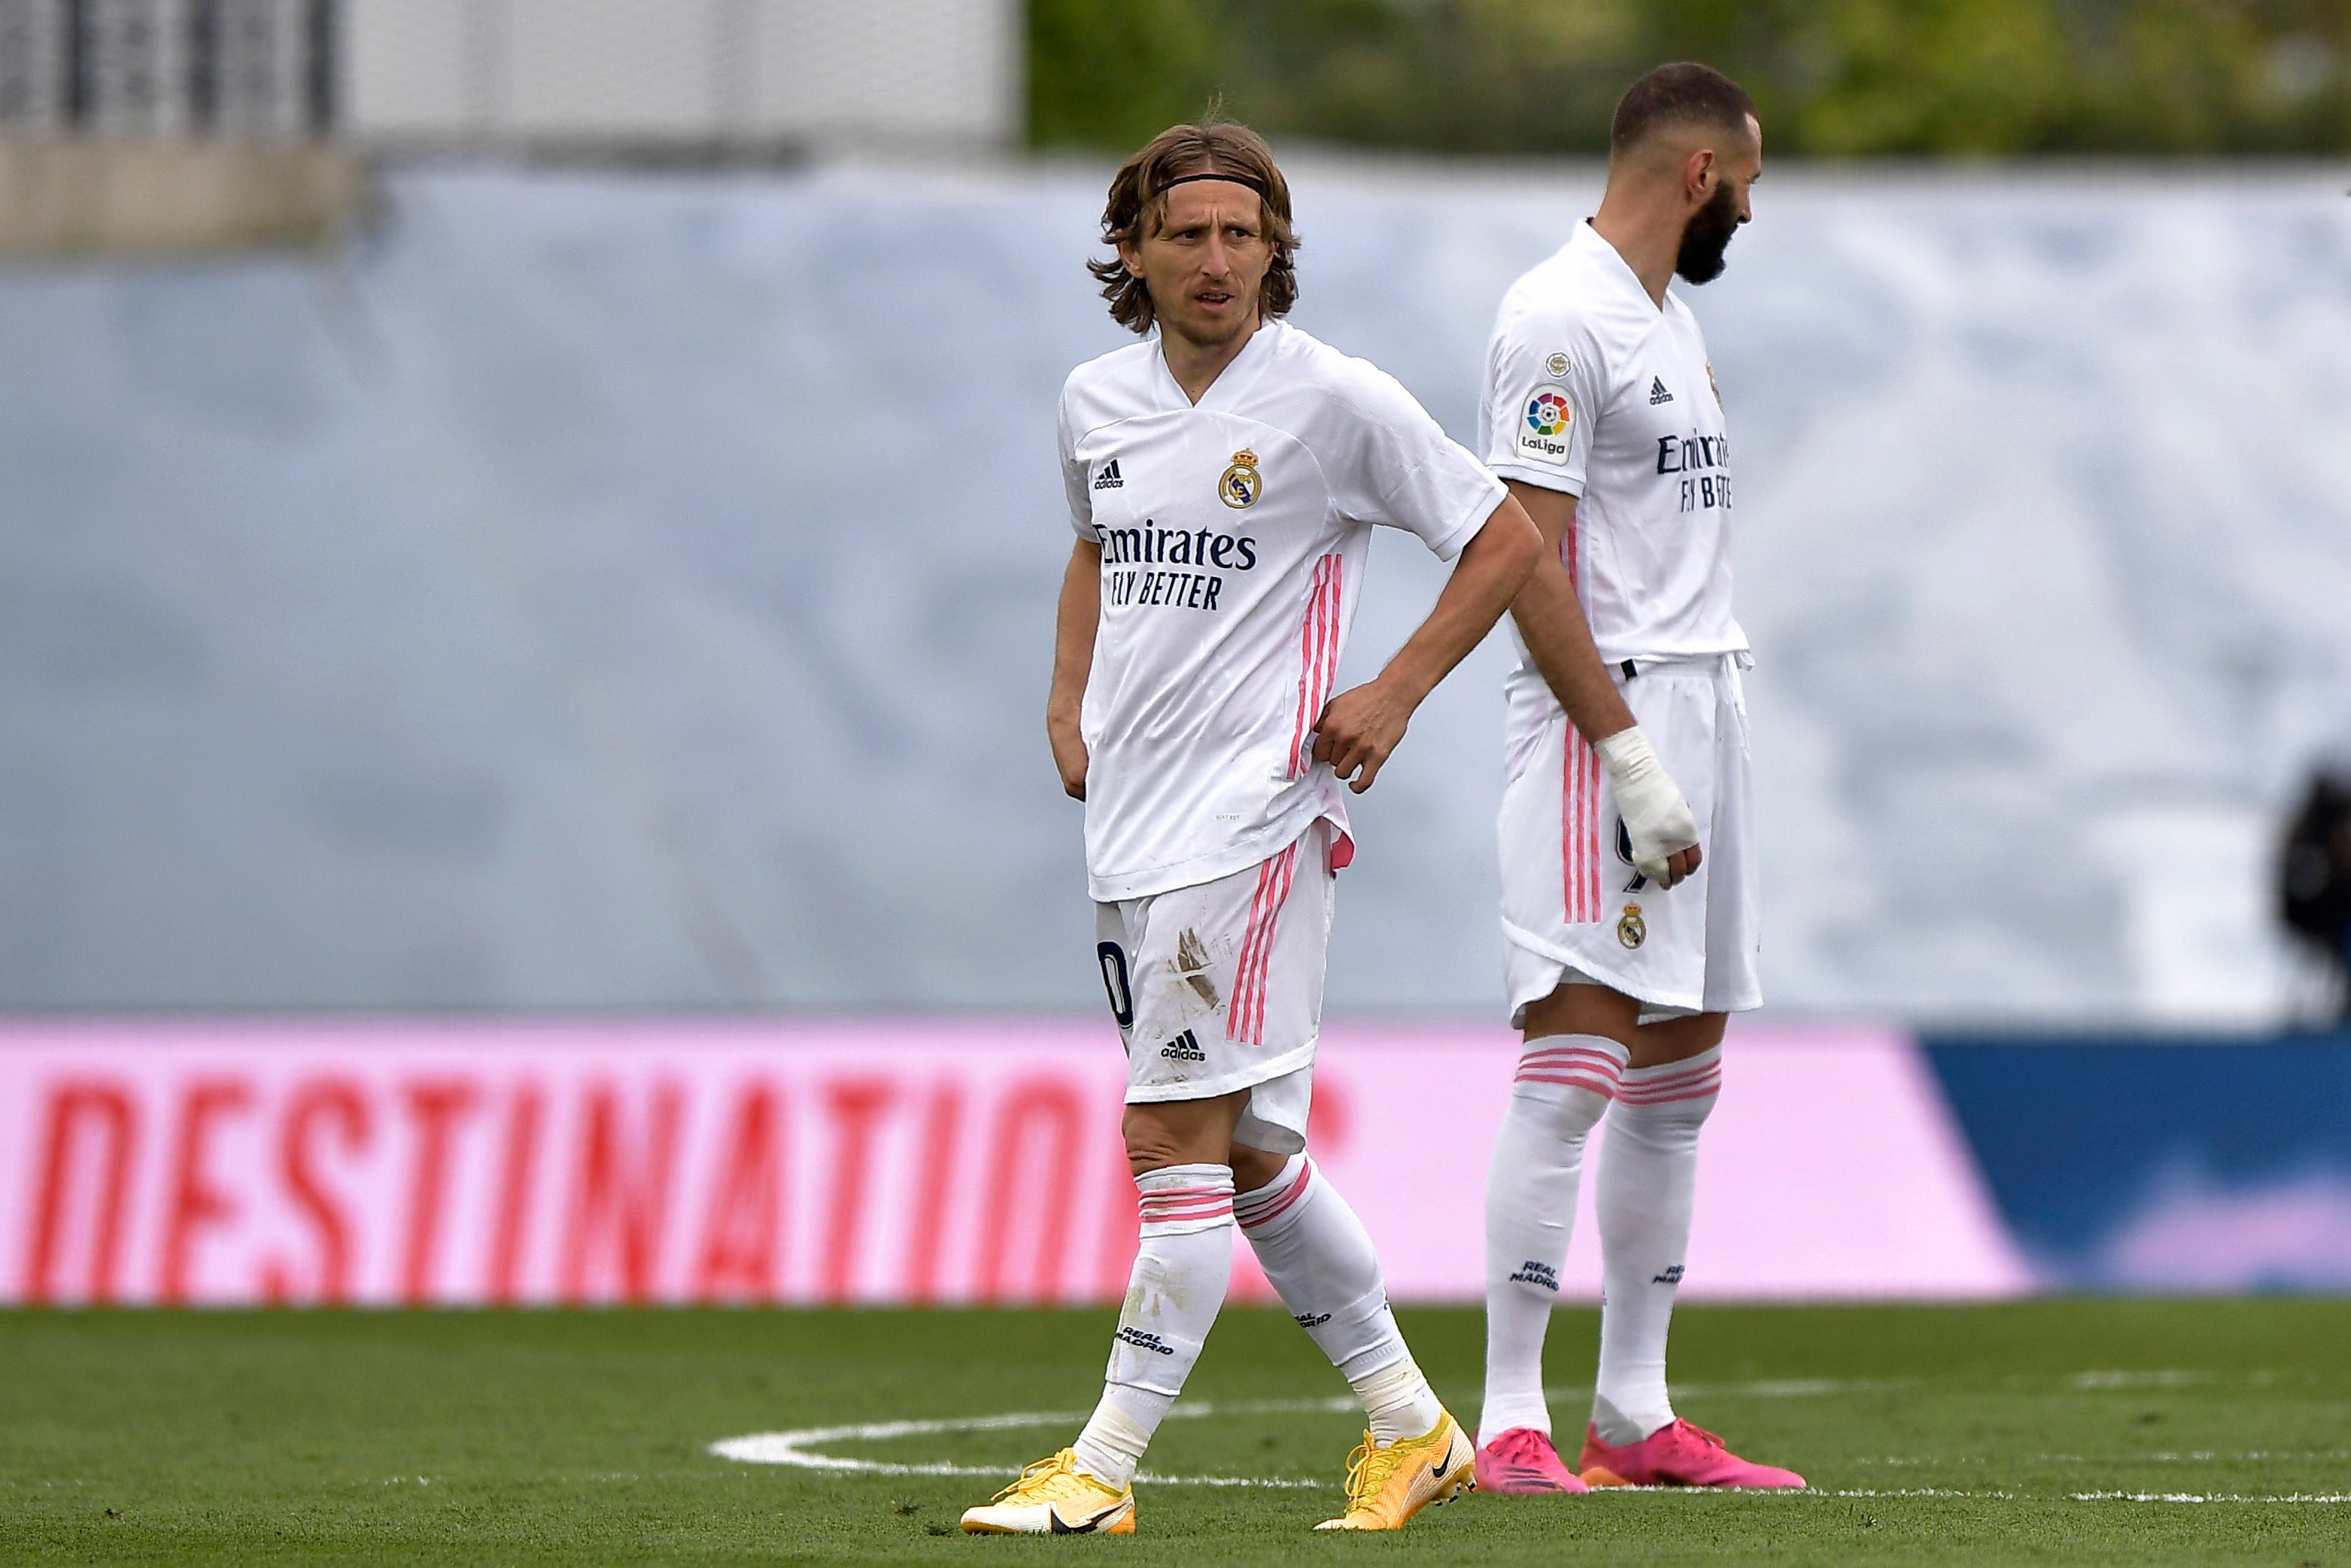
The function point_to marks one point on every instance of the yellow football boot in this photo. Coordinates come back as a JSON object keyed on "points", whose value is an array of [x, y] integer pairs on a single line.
{"points": [[1053, 1497], [1387, 1486]]}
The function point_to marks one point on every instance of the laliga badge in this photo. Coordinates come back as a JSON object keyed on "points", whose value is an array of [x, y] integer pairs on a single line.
{"points": [[1542, 425], [1631, 930], [1240, 484]]}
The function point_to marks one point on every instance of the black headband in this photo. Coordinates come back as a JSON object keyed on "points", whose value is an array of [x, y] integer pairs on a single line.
{"points": [[1251, 180]]}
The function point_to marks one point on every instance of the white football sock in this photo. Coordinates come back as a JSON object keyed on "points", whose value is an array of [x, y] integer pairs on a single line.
{"points": [[1115, 1435], [1564, 1083], [1648, 1176], [1182, 1264], [1320, 1262], [1398, 1402]]}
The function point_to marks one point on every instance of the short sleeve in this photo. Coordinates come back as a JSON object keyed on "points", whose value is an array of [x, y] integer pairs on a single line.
{"points": [[1397, 468], [1540, 399], [1073, 474]]}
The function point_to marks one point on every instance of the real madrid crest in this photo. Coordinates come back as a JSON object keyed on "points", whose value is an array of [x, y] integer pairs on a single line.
{"points": [[1240, 484], [1631, 929]]}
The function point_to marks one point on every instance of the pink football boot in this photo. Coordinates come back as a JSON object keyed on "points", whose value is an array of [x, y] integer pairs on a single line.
{"points": [[1521, 1462], [1677, 1455]]}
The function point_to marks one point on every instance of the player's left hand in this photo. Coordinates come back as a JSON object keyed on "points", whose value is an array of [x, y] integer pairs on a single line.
{"points": [[1359, 728]]}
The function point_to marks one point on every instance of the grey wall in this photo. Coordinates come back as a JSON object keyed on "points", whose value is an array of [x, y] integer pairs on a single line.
{"points": [[634, 591]]}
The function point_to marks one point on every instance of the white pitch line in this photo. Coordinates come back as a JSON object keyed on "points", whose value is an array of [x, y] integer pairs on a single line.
{"points": [[2254, 1456], [798, 1448], [2322, 1497], [1763, 1388]]}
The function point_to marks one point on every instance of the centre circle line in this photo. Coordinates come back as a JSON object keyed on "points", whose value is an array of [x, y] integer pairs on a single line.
{"points": [[800, 1446]]}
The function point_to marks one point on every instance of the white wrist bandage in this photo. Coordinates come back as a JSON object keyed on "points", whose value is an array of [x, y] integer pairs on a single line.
{"points": [[1656, 819]]}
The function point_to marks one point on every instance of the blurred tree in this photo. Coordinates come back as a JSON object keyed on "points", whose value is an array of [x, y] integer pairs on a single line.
{"points": [[1114, 73], [1832, 78]]}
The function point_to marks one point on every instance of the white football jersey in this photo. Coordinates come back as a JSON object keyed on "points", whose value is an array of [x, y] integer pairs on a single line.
{"points": [[1592, 390], [1234, 535]]}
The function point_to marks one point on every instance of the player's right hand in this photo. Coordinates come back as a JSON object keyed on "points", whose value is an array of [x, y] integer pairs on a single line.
{"points": [[1069, 758], [1657, 820]]}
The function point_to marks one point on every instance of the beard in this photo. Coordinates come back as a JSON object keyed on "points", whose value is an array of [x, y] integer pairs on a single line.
{"points": [[1706, 236]]}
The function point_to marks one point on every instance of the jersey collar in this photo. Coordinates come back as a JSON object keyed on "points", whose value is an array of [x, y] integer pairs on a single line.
{"points": [[1612, 262], [1231, 381]]}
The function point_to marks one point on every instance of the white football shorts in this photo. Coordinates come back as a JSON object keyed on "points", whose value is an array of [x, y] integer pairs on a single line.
{"points": [[1218, 988], [1575, 909]]}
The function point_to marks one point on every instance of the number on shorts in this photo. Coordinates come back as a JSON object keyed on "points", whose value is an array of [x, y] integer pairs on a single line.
{"points": [[1114, 973]]}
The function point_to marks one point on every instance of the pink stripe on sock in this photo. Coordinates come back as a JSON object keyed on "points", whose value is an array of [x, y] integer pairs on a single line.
{"points": [[1562, 1055], [1605, 1091], [1680, 1089], [1664, 1077], [1610, 1057], [1279, 1204]]}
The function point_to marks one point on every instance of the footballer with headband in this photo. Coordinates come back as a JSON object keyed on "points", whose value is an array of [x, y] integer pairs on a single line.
{"points": [[1224, 475]]}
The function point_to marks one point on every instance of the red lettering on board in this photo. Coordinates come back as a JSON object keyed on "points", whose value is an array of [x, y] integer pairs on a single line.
{"points": [[1330, 1119], [195, 1204], [619, 1205], [339, 1103], [520, 1156], [743, 1232], [856, 1105], [1122, 1219], [942, 1120], [434, 1110], [1038, 1133], [109, 1112]]}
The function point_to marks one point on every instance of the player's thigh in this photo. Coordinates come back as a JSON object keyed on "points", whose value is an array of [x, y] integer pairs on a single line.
{"points": [[1218, 988], [1165, 1132], [1254, 1167], [1676, 1039], [1580, 1008]]}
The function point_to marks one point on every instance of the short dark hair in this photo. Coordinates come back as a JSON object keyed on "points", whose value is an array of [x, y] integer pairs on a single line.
{"points": [[1138, 205], [1684, 93]]}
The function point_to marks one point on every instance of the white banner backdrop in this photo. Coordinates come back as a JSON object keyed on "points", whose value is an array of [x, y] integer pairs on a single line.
{"points": [[869, 1162], [610, 591]]}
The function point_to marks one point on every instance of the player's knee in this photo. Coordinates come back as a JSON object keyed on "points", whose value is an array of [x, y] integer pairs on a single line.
{"points": [[1254, 1167], [1149, 1145], [1174, 1133]]}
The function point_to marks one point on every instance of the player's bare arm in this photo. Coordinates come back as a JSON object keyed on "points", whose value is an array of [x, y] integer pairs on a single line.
{"points": [[1073, 658], [1560, 638], [1360, 727]]}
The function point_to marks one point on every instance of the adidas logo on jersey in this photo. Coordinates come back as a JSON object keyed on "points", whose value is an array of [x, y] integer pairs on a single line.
{"points": [[1658, 394], [1108, 479], [1185, 1047]]}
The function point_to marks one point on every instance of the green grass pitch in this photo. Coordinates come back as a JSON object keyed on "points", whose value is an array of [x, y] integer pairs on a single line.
{"points": [[1967, 1435]]}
